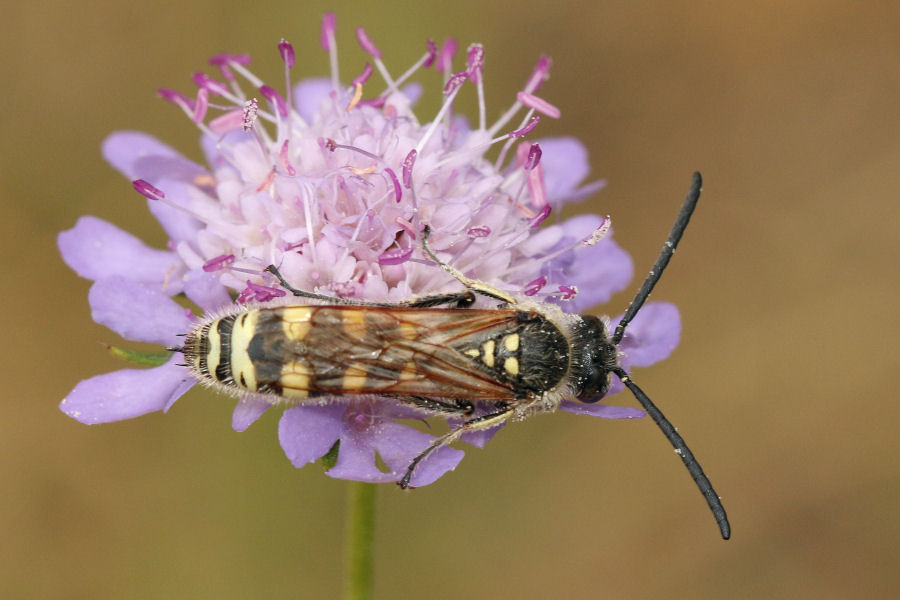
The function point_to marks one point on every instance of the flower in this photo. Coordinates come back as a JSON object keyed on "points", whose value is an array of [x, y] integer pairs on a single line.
{"points": [[334, 184]]}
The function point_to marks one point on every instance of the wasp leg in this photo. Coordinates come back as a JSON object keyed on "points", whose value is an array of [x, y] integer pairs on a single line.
{"points": [[476, 286], [463, 299], [476, 424], [455, 407]]}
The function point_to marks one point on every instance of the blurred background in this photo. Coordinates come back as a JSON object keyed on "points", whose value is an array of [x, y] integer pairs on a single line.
{"points": [[785, 382]]}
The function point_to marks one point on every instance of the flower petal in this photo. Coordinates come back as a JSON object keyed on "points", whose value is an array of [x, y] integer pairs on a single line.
{"points": [[651, 336], [356, 461], [126, 394], [95, 249], [138, 155], [137, 312], [308, 96], [178, 224], [205, 290], [246, 412], [307, 433], [565, 162], [398, 445], [603, 411]]}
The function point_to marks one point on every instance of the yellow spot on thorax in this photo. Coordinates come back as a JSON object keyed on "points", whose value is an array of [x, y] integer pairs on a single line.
{"points": [[488, 353], [511, 365]]}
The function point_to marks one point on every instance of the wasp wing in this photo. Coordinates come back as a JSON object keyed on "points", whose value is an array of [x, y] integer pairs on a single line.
{"points": [[394, 350]]}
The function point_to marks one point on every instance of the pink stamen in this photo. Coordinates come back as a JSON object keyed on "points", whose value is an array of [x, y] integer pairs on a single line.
{"points": [[395, 257], [475, 62], [224, 58], [218, 263], [251, 108], [540, 74], [408, 164], [230, 121], [144, 188], [285, 160], [454, 82], [270, 177], [378, 102], [287, 52], [538, 104], [539, 218], [527, 129], [328, 144], [479, 231], [363, 77], [367, 44], [535, 286], [398, 191], [206, 82], [432, 54], [537, 188], [275, 99], [445, 58], [329, 25], [406, 225], [201, 105]]}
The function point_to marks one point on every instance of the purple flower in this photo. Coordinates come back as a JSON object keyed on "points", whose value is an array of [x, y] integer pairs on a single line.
{"points": [[334, 184]]}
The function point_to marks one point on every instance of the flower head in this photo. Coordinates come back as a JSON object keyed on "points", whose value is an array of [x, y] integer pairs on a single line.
{"points": [[334, 183]]}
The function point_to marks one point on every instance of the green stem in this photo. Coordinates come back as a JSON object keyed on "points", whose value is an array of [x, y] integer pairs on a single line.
{"points": [[358, 553]]}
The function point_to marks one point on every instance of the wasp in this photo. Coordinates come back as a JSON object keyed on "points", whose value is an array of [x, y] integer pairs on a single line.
{"points": [[438, 353]]}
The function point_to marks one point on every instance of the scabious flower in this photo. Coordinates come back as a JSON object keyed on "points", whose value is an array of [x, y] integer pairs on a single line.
{"points": [[334, 184]]}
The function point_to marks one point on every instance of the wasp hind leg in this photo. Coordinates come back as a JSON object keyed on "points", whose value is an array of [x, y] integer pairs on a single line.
{"points": [[477, 424]]}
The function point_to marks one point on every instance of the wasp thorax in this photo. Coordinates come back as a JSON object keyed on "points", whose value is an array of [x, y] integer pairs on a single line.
{"points": [[593, 359]]}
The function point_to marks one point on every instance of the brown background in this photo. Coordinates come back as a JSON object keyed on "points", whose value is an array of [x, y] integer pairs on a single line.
{"points": [[784, 383]]}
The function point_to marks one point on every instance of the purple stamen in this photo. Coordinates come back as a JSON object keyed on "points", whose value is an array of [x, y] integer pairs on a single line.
{"points": [[218, 263], [445, 58], [567, 292], [538, 104], [479, 231], [475, 62], [395, 257], [540, 74], [535, 286], [378, 102], [329, 24], [408, 164], [248, 117], [539, 218], [527, 129], [398, 191], [176, 98], [363, 77], [145, 189], [406, 225], [329, 143], [287, 52], [206, 82], [223, 59], [534, 157], [432, 54], [275, 99], [367, 44], [454, 82], [259, 293]]}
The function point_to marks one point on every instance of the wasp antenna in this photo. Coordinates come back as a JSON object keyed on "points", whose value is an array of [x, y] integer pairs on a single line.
{"points": [[681, 222], [693, 467]]}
